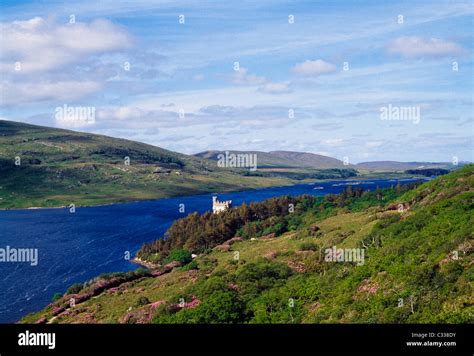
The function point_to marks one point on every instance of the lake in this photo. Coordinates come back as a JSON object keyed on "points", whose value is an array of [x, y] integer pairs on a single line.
{"points": [[75, 247]]}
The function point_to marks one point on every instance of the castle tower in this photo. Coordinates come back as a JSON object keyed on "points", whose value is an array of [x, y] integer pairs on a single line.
{"points": [[218, 206]]}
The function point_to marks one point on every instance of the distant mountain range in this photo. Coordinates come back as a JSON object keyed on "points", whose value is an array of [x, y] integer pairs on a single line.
{"points": [[401, 166], [283, 159], [290, 159]]}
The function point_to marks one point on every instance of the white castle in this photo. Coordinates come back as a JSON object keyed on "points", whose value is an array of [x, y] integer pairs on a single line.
{"points": [[218, 206]]}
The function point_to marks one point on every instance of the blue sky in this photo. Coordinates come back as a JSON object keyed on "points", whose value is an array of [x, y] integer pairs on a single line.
{"points": [[317, 84]]}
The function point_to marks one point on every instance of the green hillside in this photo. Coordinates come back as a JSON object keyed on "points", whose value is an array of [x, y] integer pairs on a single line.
{"points": [[417, 265], [48, 167], [283, 159], [296, 166]]}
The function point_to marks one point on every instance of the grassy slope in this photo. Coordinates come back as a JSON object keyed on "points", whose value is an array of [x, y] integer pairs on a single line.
{"points": [[409, 256], [60, 167], [292, 165], [283, 159]]}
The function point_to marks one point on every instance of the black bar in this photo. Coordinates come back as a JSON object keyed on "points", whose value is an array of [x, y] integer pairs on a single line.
{"points": [[135, 339]]}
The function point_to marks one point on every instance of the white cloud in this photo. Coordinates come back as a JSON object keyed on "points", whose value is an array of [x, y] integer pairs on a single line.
{"points": [[24, 93], [314, 68], [333, 142], [276, 88], [42, 60], [43, 45], [208, 118], [122, 113], [413, 47], [242, 77]]}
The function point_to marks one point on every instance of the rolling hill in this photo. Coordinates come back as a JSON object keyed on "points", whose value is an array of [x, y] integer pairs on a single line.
{"points": [[283, 159], [290, 161], [49, 167]]}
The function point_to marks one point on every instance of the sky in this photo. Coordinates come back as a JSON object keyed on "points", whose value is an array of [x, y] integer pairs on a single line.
{"points": [[355, 80]]}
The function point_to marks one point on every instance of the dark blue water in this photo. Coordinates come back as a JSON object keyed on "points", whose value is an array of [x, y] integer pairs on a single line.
{"points": [[77, 247]]}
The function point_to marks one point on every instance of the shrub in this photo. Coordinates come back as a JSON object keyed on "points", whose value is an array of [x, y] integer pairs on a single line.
{"points": [[275, 306], [209, 286], [179, 255], [294, 222], [207, 263], [75, 288], [154, 258], [285, 253], [142, 301], [141, 271], [57, 296], [277, 229], [220, 307], [110, 275], [257, 276], [308, 246], [191, 265]]}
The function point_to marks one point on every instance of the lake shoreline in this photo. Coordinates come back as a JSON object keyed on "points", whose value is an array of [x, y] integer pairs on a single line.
{"points": [[148, 200], [359, 178]]}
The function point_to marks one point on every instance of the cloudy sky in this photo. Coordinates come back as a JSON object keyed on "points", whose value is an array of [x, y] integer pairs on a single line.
{"points": [[268, 75]]}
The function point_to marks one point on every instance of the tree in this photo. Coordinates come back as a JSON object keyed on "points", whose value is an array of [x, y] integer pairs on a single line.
{"points": [[179, 255], [75, 288]]}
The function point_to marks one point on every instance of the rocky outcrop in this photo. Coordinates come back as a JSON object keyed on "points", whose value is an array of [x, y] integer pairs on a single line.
{"points": [[149, 265], [233, 240], [166, 268], [366, 289], [400, 207], [143, 315], [222, 248], [297, 266], [270, 255], [268, 237]]}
